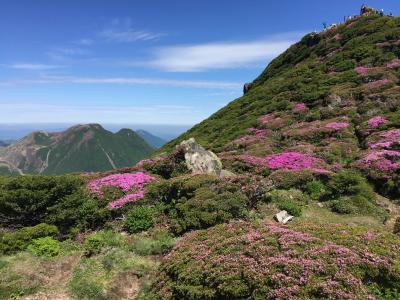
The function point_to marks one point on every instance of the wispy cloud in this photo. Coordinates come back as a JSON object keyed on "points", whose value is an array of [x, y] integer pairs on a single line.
{"points": [[25, 112], [84, 42], [65, 53], [126, 81], [219, 55], [122, 31], [33, 67]]}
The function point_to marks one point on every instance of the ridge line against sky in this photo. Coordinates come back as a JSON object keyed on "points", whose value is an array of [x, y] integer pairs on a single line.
{"points": [[73, 55]]}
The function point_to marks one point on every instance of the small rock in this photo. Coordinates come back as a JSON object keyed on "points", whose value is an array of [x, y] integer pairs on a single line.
{"points": [[319, 204], [283, 217]]}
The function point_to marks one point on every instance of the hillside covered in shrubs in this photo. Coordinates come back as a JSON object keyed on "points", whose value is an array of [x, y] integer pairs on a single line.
{"points": [[316, 134]]}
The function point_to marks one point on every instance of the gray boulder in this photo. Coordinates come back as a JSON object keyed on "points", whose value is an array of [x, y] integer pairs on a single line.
{"points": [[199, 160], [283, 217]]}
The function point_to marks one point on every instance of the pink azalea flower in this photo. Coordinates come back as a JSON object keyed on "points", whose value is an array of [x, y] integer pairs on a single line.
{"points": [[132, 184], [361, 69], [376, 121], [336, 125]]}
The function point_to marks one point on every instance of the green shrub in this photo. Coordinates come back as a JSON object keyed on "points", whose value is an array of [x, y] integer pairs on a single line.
{"points": [[290, 200], [206, 208], [342, 206], [349, 183], [158, 243], [46, 246], [140, 218], [293, 195], [291, 207], [350, 193], [93, 244], [291, 179], [57, 200], [315, 189], [21, 238], [396, 228]]}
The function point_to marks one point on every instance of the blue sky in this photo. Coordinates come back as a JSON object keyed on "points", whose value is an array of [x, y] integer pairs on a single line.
{"points": [[147, 62]]}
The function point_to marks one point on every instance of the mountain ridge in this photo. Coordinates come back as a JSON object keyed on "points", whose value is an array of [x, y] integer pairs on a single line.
{"points": [[87, 147]]}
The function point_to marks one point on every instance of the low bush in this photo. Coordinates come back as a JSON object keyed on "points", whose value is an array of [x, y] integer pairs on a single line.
{"points": [[20, 239], [290, 200], [348, 192], [57, 200], [291, 207], [205, 209], [140, 218], [305, 261], [158, 243], [315, 189], [46, 246], [93, 244], [396, 228]]}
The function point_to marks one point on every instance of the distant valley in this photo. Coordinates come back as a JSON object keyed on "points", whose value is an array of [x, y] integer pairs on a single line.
{"points": [[81, 148]]}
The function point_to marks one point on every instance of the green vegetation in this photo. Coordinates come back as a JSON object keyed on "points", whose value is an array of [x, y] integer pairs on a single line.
{"points": [[46, 246], [305, 261], [140, 218], [20, 239], [81, 148], [60, 201], [316, 135]]}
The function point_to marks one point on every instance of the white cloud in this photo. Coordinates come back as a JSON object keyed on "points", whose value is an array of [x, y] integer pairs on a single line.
{"points": [[121, 30], [126, 81], [84, 42], [129, 35], [29, 112], [29, 66], [65, 53], [220, 55]]}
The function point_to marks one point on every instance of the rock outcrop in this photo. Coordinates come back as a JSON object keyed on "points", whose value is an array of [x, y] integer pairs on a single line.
{"points": [[199, 160], [247, 87], [283, 217]]}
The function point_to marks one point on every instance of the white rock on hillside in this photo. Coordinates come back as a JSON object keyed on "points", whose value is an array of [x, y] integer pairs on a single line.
{"points": [[199, 160], [283, 217]]}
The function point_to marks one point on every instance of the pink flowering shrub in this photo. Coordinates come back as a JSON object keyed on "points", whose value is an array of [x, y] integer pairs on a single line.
{"points": [[361, 69], [336, 125], [285, 161], [377, 121], [385, 139], [243, 260], [255, 136], [315, 130], [394, 64], [383, 160], [383, 157], [299, 107], [272, 121], [131, 184], [377, 84]]}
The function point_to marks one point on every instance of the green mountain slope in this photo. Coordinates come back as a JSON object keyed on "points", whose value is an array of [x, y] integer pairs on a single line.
{"points": [[320, 65], [152, 140], [81, 148]]}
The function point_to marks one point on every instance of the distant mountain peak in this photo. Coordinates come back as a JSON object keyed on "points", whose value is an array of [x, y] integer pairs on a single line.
{"points": [[83, 147]]}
